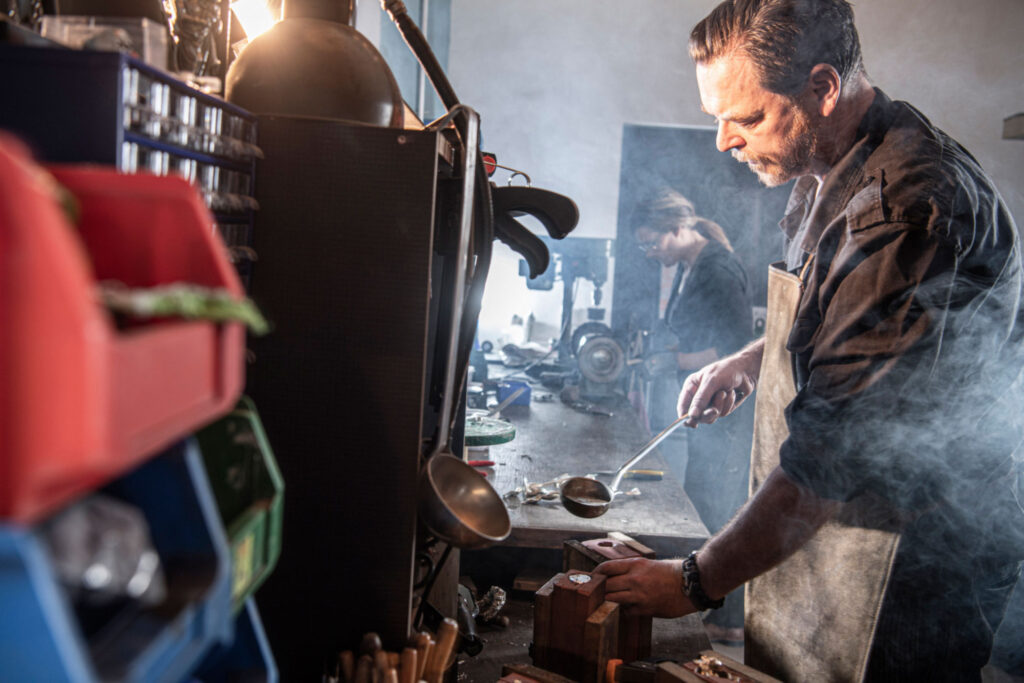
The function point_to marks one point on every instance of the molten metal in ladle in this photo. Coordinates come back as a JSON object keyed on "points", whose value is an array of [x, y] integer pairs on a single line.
{"points": [[586, 497]]}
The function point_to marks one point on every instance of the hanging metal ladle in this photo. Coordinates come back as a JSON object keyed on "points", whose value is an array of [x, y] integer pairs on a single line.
{"points": [[586, 497]]}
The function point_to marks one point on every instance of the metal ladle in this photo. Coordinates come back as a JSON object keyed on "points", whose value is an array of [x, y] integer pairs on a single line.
{"points": [[586, 497]]}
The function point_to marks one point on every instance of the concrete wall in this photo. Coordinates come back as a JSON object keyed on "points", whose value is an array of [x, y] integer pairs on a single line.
{"points": [[555, 80]]}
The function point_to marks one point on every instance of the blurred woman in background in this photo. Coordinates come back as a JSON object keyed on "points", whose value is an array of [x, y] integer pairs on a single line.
{"points": [[709, 316]]}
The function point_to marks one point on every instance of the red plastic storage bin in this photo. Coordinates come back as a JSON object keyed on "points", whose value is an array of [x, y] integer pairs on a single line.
{"points": [[81, 401]]}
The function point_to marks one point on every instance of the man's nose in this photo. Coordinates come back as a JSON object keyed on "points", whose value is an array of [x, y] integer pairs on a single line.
{"points": [[727, 137]]}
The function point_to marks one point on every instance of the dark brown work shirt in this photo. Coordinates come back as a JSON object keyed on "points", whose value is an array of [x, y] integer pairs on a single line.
{"points": [[908, 340]]}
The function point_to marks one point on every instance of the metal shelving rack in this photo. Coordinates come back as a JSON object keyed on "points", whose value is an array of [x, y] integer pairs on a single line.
{"points": [[111, 109], [84, 106]]}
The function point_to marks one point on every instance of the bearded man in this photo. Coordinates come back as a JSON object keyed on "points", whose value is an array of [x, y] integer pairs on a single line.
{"points": [[884, 531]]}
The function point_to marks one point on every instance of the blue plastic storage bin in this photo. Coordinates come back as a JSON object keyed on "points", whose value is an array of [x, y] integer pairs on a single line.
{"points": [[509, 387], [42, 637], [247, 658]]}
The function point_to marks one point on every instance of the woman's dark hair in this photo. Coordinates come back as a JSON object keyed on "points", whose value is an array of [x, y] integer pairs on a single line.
{"points": [[671, 210], [784, 38]]}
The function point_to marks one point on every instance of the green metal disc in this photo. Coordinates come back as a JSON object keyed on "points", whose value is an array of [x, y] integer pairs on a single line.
{"points": [[488, 431]]}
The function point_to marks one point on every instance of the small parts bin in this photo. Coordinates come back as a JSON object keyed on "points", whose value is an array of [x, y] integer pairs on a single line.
{"points": [[81, 400], [44, 636], [247, 659], [250, 494]]}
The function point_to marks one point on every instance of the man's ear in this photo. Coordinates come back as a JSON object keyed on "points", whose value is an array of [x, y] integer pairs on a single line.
{"points": [[826, 85]]}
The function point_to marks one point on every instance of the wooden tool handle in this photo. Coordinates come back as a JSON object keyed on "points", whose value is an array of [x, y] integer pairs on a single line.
{"points": [[347, 666], [407, 671], [381, 663], [424, 648], [364, 669], [446, 636]]}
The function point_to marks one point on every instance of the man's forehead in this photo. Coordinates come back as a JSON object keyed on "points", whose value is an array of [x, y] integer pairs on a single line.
{"points": [[727, 83]]}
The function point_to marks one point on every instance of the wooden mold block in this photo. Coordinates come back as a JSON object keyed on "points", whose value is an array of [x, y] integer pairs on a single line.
{"points": [[576, 596], [542, 622], [530, 674], [585, 555], [689, 671], [600, 641]]}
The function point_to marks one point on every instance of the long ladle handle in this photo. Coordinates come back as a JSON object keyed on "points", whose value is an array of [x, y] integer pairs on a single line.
{"points": [[642, 453]]}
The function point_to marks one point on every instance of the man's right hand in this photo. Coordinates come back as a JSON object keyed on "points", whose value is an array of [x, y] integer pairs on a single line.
{"points": [[721, 386], [646, 587]]}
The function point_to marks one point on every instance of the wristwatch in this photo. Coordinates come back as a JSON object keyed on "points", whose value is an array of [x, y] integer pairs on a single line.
{"points": [[692, 588]]}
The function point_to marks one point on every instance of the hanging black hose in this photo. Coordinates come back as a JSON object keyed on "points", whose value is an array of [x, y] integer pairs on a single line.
{"points": [[428, 584], [484, 237], [483, 210], [417, 42]]}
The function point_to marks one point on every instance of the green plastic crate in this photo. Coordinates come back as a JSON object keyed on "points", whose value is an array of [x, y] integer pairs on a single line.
{"points": [[250, 495]]}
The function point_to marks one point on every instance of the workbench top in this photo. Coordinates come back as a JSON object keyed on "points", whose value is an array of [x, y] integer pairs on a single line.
{"points": [[553, 438]]}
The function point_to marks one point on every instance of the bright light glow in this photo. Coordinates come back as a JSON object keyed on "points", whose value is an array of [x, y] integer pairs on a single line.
{"points": [[254, 16]]}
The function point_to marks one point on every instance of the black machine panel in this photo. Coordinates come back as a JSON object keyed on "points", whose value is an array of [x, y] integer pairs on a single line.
{"points": [[344, 237]]}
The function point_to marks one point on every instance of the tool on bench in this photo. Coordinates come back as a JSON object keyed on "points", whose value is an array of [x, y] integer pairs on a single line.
{"points": [[507, 402], [588, 497], [643, 475]]}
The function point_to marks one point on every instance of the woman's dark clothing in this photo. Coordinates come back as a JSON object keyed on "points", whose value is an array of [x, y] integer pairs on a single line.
{"points": [[710, 307], [710, 303]]}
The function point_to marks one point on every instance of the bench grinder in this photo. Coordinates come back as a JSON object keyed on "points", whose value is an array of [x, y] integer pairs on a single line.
{"points": [[591, 347]]}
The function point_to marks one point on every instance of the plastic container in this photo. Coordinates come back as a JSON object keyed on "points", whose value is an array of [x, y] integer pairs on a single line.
{"points": [[509, 387], [248, 658], [250, 495], [44, 637], [82, 401], [144, 37]]}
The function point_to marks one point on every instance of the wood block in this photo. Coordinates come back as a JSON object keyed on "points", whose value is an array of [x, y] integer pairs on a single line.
{"points": [[611, 549], [600, 641], [577, 556], [671, 672], [641, 671], [632, 543], [742, 672], [542, 622], [585, 555], [634, 638], [532, 673], [572, 603], [646, 628]]}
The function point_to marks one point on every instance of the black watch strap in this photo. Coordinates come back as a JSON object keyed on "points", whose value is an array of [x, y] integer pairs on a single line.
{"points": [[692, 588]]}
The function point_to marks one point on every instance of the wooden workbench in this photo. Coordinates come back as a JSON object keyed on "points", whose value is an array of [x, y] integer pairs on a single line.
{"points": [[552, 439]]}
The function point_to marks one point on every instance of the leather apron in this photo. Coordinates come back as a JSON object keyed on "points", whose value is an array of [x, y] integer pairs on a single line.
{"points": [[813, 617]]}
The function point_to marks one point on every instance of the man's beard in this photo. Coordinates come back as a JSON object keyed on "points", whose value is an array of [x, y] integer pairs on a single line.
{"points": [[798, 149]]}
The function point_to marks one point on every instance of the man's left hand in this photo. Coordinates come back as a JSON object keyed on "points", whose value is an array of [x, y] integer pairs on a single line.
{"points": [[646, 587]]}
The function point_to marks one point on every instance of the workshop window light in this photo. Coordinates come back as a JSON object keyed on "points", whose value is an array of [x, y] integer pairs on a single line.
{"points": [[254, 16]]}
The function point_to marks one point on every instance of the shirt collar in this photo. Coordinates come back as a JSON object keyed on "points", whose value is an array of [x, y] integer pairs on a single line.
{"points": [[809, 212]]}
